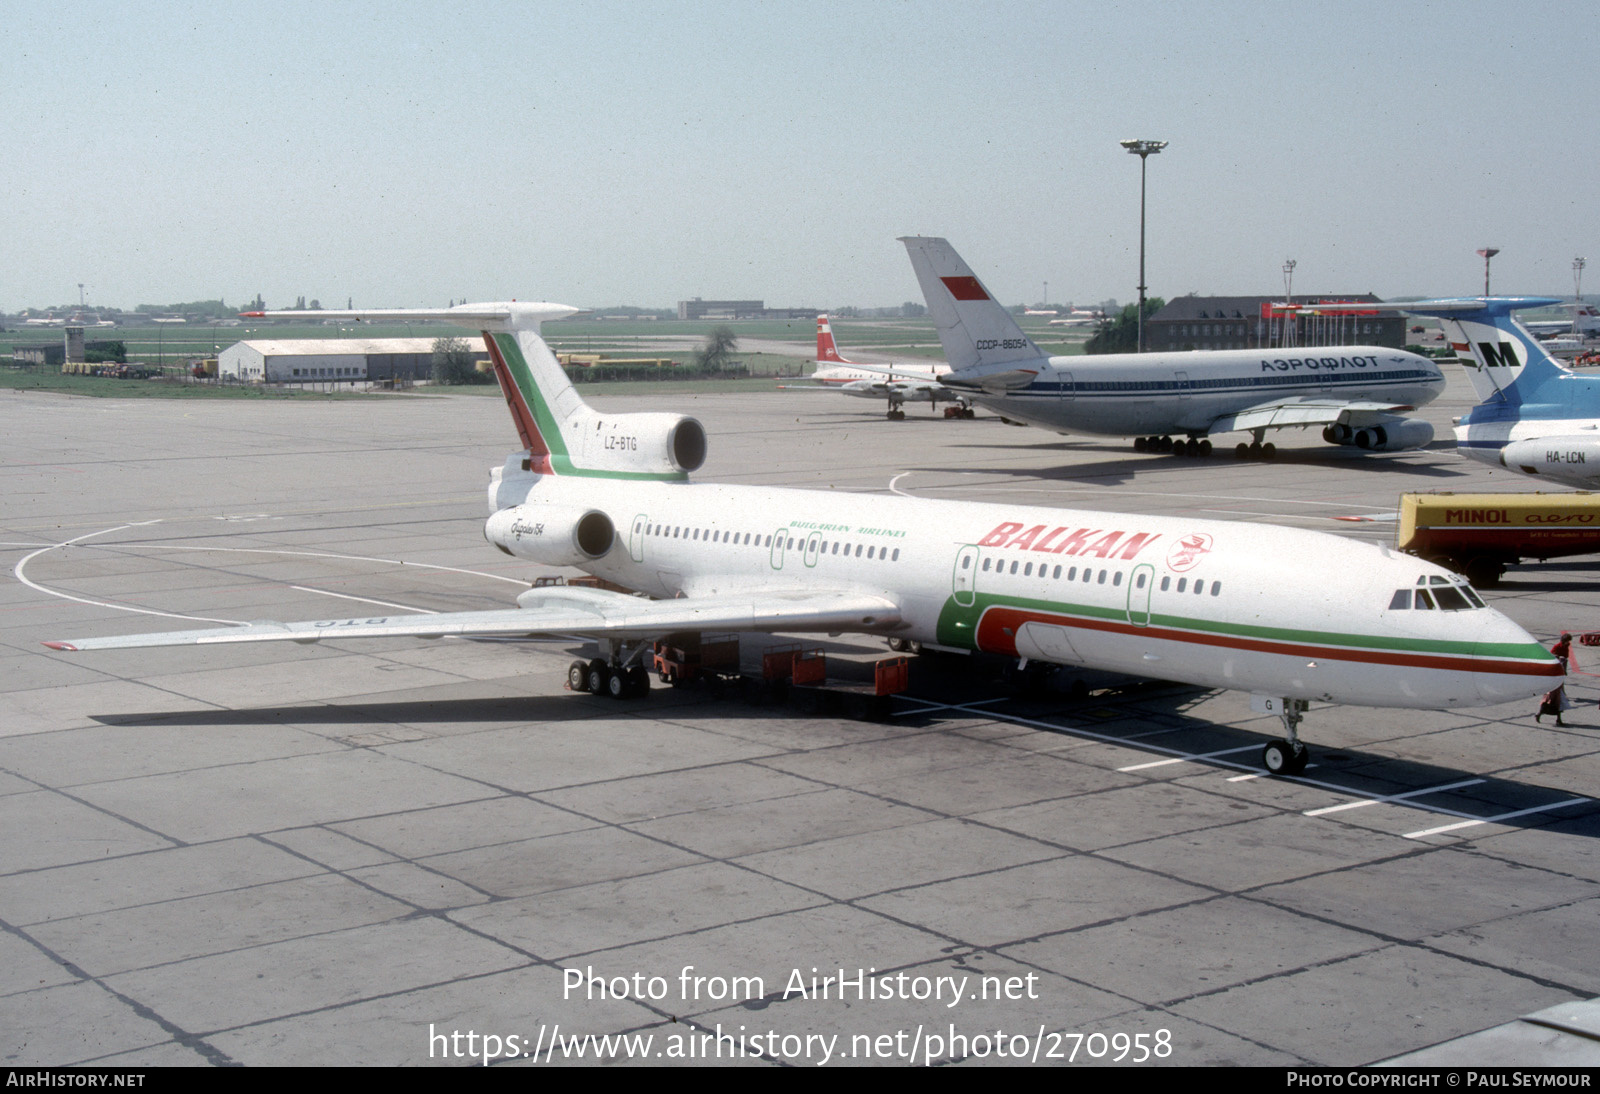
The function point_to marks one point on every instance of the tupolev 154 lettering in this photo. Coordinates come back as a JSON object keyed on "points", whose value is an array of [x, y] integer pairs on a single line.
{"points": [[1213, 603], [1358, 395]]}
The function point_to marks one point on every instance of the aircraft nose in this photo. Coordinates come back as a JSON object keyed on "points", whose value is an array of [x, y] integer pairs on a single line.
{"points": [[1515, 670]]}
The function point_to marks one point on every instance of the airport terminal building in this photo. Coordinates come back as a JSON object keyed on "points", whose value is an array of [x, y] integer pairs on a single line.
{"points": [[1267, 322]]}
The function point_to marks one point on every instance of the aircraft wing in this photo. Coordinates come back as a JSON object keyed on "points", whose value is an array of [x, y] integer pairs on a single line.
{"points": [[1280, 415], [593, 613]]}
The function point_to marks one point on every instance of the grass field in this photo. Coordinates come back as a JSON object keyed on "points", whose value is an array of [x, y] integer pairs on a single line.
{"points": [[174, 345]]}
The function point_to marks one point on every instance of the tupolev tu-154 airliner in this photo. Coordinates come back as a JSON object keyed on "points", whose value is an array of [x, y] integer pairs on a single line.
{"points": [[1288, 615]]}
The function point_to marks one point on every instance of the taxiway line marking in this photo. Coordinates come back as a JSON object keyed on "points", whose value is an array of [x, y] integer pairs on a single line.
{"points": [[365, 600], [22, 563], [1497, 818], [1188, 759], [1325, 810]]}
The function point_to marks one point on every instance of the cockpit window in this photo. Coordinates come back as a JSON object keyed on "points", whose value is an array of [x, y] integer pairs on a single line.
{"points": [[1435, 593]]}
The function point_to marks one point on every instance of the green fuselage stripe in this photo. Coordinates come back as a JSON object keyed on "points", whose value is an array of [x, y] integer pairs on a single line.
{"points": [[958, 627]]}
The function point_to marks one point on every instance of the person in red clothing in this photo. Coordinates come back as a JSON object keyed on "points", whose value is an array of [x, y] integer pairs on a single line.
{"points": [[1555, 700]]}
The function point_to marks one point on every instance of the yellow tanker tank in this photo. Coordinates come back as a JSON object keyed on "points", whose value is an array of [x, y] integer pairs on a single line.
{"points": [[1481, 534]]}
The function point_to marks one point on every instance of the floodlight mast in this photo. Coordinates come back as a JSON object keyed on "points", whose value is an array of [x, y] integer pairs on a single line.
{"points": [[1144, 150], [1487, 253]]}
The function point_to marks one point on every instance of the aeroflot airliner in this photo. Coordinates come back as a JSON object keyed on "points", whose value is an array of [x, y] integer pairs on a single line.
{"points": [[1286, 614], [1357, 394]]}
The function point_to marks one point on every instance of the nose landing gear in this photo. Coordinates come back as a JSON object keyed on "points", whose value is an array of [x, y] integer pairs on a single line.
{"points": [[1287, 756]]}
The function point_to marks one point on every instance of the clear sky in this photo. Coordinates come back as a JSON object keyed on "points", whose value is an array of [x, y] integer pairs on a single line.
{"points": [[595, 153]]}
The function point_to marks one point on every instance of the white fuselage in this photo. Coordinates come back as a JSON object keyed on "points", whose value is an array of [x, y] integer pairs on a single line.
{"points": [[897, 383], [1563, 450], [1266, 609], [1125, 395]]}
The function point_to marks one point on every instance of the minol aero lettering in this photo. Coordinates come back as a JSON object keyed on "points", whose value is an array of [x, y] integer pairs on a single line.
{"points": [[1087, 542], [1330, 364], [1475, 516]]}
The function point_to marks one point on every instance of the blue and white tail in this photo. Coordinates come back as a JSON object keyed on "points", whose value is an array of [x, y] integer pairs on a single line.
{"points": [[1505, 363]]}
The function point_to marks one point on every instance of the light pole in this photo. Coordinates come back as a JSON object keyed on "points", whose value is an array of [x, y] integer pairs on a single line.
{"points": [[1144, 150], [1487, 253], [1289, 322]]}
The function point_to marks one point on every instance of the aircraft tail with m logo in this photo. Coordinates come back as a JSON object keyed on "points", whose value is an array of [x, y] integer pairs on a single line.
{"points": [[1505, 363]]}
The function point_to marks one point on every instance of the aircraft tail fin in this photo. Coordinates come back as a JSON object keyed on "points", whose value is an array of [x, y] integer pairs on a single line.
{"points": [[562, 435], [827, 348], [1504, 362], [977, 332]]}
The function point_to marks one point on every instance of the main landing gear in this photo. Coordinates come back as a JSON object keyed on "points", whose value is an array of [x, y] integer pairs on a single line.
{"points": [[1256, 450], [1194, 446], [1288, 756], [614, 676]]}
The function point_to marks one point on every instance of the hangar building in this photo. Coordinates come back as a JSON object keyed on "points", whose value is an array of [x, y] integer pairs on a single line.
{"points": [[333, 360]]}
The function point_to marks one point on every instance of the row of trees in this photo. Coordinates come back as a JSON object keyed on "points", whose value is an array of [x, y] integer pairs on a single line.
{"points": [[453, 363], [1121, 335]]}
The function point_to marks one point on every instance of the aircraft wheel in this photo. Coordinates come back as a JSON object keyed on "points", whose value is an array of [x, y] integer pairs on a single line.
{"points": [[1241, 451], [1205, 448], [599, 677], [638, 682], [578, 676], [1484, 572], [1191, 447], [617, 684], [1269, 451], [1140, 444], [1281, 758], [1165, 444]]}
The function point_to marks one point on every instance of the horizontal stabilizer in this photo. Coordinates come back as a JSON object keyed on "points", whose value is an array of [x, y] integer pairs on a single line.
{"points": [[510, 315], [995, 383]]}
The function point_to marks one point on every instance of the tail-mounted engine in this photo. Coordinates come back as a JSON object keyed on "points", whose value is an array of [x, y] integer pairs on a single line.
{"points": [[647, 443], [550, 534]]}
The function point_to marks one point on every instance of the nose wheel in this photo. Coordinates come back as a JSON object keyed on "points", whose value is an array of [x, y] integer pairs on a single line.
{"points": [[1288, 756], [1284, 757]]}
